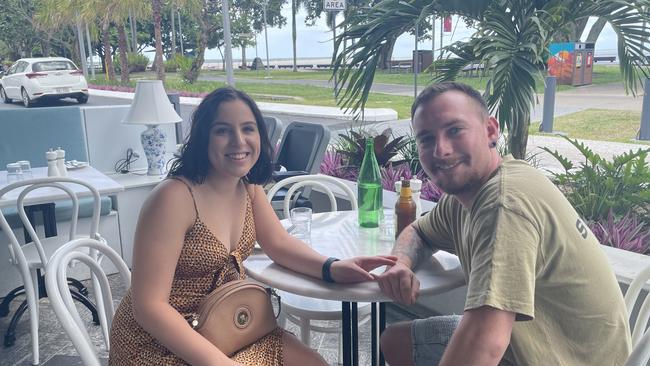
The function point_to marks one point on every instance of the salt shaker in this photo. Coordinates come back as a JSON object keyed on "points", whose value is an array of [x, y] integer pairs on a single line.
{"points": [[60, 162], [416, 186], [52, 170]]}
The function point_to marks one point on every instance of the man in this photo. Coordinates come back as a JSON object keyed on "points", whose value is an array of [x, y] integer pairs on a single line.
{"points": [[539, 289]]}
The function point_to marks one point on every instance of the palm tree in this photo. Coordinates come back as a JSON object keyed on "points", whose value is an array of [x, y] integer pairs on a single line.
{"points": [[511, 41], [156, 9]]}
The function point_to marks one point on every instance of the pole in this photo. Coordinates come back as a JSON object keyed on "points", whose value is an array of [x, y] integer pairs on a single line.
{"points": [[266, 40], [549, 105], [134, 37], [644, 131], [433, 37], [91, 51], [416, 62], [171, 13], [180, 32], [334, 45], [230, 77], [442, 22], [82, 48]]}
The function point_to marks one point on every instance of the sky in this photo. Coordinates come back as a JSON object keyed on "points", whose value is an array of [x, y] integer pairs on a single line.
{"points": [[316, 41]]}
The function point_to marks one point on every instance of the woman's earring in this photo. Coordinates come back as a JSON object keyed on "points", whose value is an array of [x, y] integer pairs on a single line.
{"points": [[493, 144]]}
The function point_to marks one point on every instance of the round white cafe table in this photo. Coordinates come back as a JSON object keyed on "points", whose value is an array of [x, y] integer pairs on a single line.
{"points": [[338, 234]]}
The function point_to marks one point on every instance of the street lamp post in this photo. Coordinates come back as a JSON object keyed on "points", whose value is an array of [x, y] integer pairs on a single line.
{"points": [[266, 41], [230, 76]]}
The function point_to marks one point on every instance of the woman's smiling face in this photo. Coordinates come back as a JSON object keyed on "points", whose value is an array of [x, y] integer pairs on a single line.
{"points": [[234, 142]]}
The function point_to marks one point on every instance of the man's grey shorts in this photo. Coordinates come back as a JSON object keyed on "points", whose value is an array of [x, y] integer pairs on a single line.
{"points": [[430, 338]]}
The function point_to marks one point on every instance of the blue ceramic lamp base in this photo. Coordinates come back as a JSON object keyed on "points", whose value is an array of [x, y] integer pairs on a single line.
{"points": [[153, 143]]}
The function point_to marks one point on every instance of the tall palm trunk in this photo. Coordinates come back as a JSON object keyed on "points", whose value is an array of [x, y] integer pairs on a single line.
{"points": [[156, 6], [293, 33], [108, 59], [124, 61]]}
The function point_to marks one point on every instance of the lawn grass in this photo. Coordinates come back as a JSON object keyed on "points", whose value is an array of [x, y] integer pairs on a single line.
{"points": [[602, 74], [597, 124], [263, 92]]}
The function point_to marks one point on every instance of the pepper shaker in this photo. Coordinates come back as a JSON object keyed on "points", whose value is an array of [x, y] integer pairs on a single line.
{"points": [[60, 162], [52, 170]]}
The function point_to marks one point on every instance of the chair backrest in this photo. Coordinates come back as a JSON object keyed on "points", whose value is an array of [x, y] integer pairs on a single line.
{"points": [[273, 129], [632, 296], [64, 188], [303, 147], [319, 181], [28, 133], [59, 292]]}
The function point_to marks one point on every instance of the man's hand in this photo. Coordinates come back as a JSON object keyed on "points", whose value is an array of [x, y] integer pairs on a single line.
{"points": [[400, 284], [357, 269]]}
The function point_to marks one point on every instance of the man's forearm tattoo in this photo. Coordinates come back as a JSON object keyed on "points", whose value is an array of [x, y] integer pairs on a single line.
{"points": [[410, 245]]}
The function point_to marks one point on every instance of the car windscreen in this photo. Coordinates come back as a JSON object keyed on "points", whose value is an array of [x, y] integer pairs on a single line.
{"points": [[53, 66]]}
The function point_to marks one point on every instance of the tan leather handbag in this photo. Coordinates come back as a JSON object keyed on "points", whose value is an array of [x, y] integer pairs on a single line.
{"points": [[236, 315]]}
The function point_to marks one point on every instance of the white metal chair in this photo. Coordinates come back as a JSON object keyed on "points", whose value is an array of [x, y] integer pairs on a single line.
{"points": [[302, 310], [87, 251], [640, 355], [33, 256]]}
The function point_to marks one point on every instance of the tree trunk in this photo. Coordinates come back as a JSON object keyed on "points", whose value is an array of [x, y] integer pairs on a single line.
{"points": [[595, 30], [124, 61], [108, 60], [386, 55], [193, 73], [158, 60], [293, 33], [518, 135], [46, 45], [243, 55]]}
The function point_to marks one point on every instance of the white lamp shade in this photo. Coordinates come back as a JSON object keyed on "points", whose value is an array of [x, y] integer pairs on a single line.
{"points": [[150, 105]]}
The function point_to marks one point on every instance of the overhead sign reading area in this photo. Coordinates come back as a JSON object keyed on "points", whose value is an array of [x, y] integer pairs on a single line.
{"points": [[334, 4]]}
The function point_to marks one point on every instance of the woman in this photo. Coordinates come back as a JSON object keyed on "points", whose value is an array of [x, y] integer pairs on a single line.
{"points": [[193, 233]]}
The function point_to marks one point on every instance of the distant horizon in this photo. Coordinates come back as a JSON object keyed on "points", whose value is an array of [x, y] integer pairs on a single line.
{"points": [[316, 41]]}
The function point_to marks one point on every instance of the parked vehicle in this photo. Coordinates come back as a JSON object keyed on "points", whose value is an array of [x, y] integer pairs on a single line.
{"points": [[34, 79]]}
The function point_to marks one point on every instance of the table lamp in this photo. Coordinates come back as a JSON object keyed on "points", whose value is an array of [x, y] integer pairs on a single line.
{"points": [[151, 107]]}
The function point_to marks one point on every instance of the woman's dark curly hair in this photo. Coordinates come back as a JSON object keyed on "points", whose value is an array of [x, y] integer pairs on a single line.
{"points": [[194, 163]]}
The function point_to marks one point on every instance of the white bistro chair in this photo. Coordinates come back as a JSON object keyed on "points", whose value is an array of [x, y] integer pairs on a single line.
{"points": [[32, 257], [640, 355], [87, 251], [302, 310]]}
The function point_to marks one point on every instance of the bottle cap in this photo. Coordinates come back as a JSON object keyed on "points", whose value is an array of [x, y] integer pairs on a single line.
{"points": [[60, 153]]}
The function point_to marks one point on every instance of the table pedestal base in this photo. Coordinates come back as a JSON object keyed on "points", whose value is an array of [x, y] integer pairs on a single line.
{"points": [[350, 329]]}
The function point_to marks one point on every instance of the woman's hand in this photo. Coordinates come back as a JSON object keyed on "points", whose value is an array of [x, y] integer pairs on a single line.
{"points": [[357, 269]]}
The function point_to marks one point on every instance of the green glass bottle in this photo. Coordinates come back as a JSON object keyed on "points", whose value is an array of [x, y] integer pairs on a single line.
{"points": [[370, 192]]}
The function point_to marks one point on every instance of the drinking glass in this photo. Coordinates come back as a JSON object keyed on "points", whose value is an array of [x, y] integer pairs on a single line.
{"points": [[26, 167], [301, 221], [14, 173]]}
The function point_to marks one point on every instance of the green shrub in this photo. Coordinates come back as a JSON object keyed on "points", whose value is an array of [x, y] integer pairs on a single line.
{"points": [[137, 62], [178, 63], [596, 186]]}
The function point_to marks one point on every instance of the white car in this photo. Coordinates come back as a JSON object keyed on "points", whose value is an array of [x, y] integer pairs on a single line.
{"points": [[33, 79]]}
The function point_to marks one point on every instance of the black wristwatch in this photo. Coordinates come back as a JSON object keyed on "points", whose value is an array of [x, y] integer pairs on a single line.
{"points": [[327, 266]]}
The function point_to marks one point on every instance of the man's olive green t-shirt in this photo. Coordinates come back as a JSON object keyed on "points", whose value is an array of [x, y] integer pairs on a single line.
{"points": [[524, 249]]}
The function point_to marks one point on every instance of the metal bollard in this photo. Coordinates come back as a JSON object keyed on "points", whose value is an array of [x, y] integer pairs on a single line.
{"points": [[644, 131], [549, 105]]}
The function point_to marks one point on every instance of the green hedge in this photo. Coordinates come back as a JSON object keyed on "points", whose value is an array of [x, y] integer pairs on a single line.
{"points": [[137, 62], [178, 63]]}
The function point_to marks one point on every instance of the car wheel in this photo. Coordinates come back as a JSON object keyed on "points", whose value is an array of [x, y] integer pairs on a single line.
{"points": [[27, 102], [83, 99], [4, 97]]}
